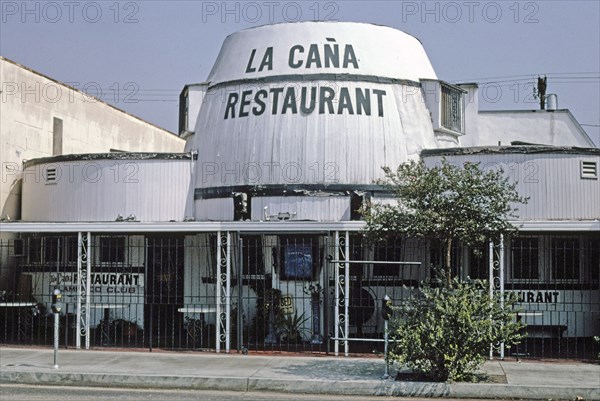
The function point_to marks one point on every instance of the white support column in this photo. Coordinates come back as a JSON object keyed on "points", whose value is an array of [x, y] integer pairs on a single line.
{"points": [[491, 282], [342, 290], [218, 295], [336, 310], [228, 294], [501, 274], [223, 290], [347, 294], [84, 272]]}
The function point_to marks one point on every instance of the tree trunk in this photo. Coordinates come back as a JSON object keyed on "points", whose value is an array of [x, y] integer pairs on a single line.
{"points": [[448, 260]]}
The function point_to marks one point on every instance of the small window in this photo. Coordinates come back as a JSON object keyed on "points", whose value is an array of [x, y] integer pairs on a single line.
{"points": [[453, 109], [253, 255], [589, 169], [112, 249], [18, 247], [525, 259], [51, 250], [72, 251], [299, 258], [565, 258], [387, 252], [592, 258], [34, 250]]}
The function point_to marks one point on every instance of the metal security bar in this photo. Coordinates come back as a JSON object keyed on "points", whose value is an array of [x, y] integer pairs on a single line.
{"points": [[270, 292]]}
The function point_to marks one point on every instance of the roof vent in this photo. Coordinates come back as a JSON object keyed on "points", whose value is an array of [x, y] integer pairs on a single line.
{"points": [[552, 100], [50, 175]]}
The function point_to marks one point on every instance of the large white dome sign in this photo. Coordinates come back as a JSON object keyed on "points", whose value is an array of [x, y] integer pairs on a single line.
{"points": [[332, 102]]}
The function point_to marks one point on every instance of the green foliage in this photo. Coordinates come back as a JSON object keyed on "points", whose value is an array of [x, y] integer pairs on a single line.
{"points": [[446, 202], [290, 327], [446, 332]]}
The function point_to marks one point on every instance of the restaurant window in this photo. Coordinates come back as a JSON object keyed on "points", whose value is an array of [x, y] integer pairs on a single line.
{"points": [[525, 258], [565, 258], [252, 253], [112, 249]]}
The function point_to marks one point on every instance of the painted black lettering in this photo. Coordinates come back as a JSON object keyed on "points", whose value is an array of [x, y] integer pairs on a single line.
{"points": [[293, 50], [548, 297], [258, 99], [350, 57], [313, 57], [363, 101], [539, 298], [326, 96], [249, 67], [276, 92], [345, 103], [313, 100], [332, 56], [244, 103], [231, 101], [380, 94], [267, 60], [289, 102], [530, 297]]}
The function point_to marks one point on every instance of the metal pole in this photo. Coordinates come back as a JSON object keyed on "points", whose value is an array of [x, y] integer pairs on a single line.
{"points": [[386, 339], [56, 323]]}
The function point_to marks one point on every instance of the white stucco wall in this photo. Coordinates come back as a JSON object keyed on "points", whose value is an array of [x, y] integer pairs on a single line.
{"points": [[28, 105]]}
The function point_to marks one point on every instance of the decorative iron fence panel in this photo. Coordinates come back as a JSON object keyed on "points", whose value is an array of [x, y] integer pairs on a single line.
{"points": [[311, 293]]}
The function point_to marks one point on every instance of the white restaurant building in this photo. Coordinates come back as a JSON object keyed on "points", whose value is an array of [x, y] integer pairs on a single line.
{"points": [[245, 238]]}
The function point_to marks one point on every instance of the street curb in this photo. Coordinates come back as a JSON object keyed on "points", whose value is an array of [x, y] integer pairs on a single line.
{"points": [[355, 387]]}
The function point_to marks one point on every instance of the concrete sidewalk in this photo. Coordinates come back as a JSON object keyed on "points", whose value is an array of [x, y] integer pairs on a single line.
{"points": [[291, 374]]}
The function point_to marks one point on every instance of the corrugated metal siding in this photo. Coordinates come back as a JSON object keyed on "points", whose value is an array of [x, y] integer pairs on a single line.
{"points": [[100, 190], [314, 148], [303, 207], [552, 181], [220, 209]]}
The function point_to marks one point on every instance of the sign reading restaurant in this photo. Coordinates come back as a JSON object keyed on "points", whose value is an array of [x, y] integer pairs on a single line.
{"points": [[109, 283], [306, 99]]}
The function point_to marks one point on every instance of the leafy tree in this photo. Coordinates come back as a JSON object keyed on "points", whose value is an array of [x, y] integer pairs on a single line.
{"points": [[446, 202], [445, 332]]}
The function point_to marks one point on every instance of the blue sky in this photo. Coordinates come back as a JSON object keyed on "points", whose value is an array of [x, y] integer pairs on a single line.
{"points": [[139, 54]]}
